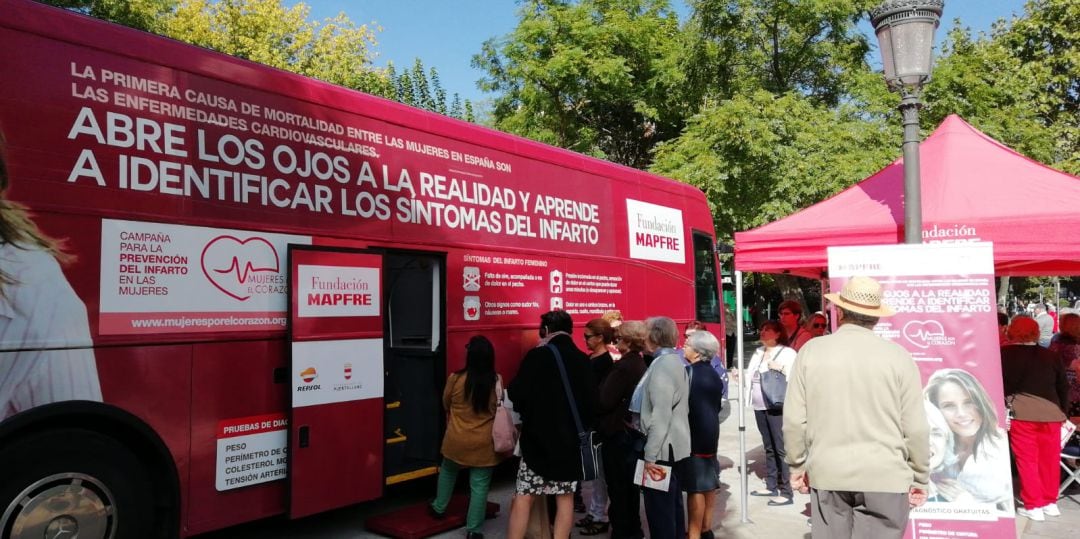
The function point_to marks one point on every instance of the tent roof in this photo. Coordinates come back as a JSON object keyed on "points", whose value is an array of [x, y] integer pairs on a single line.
{"points": [[973, 188]]}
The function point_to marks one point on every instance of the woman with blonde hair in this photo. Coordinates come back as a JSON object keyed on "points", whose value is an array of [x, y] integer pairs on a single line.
{"points": [[45, 345]]}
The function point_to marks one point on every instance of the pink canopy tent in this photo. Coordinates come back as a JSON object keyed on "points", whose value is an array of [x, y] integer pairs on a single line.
{"points": [[973, 188]]}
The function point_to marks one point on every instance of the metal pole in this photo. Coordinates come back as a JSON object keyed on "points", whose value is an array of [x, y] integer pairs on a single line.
{"points": [[744, 479], [909, 109]]}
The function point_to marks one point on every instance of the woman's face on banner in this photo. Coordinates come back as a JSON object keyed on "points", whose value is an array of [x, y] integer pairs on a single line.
{"points": [[960, 411], [939, 439]]}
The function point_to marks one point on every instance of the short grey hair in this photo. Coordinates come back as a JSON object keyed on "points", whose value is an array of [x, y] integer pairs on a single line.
{"points": [[704, 343], [662, 331], [857, 319]]}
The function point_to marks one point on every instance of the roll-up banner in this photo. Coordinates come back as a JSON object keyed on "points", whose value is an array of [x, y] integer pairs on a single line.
{"points": [[946, 317]]}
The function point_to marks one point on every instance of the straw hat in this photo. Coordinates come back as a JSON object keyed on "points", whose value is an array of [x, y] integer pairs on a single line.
{"points": [[861, 295]]}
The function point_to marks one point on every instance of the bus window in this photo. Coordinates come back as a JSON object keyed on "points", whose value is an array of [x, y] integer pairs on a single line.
{"points": [[705, 286]]}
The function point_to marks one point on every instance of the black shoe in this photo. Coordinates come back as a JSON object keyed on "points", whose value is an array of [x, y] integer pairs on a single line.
{"points": [[707, 534], [434, 514], [584, 522], [595, 527], [474, 535], [579, 506]]}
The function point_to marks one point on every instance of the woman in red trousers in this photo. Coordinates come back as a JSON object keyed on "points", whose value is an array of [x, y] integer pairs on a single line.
{"points": [[1037, 392]]}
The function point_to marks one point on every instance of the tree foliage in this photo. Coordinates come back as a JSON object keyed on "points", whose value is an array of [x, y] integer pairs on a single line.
{"points": [[335, 50], [142, 14], [781, 46], [597, 76], [759, 156], [423, 89]]}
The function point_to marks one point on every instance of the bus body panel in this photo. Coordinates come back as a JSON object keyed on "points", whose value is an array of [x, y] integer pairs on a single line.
{"points": [[111, 140]]}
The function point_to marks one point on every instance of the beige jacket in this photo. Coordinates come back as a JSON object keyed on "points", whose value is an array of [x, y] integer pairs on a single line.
{"points": [[854, 417]]}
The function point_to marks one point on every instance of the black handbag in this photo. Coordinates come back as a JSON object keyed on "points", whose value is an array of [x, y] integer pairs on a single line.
{"points": [[589, 447], [773, 388]]}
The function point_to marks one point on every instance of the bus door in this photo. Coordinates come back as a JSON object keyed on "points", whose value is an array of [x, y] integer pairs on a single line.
{"points": [[336, 343], [415, 363]]}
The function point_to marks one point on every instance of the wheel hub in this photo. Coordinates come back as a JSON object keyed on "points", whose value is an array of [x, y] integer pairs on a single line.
{"points": [[62, 506]]}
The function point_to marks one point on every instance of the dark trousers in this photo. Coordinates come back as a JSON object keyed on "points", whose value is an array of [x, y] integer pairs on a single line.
{"points": [[771, 424], [664, 510], [624, 507], [843, 515]]}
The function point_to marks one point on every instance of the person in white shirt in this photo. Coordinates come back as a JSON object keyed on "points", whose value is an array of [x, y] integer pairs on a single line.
{"points": [[46, 353]]}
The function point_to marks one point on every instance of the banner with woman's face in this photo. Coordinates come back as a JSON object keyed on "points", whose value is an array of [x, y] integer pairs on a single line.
{"points": [[946, 317]]}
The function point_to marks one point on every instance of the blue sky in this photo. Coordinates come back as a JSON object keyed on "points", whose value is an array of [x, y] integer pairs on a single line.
{"points": [[447, 33]]}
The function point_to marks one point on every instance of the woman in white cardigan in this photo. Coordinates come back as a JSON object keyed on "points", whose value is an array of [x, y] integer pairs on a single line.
{"points": [[775, 355]]}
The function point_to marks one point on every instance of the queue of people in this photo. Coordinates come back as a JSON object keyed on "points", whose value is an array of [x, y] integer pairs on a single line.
{"points": [[656, 412]]}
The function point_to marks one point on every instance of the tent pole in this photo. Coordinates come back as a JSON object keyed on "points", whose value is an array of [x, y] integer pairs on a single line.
{"points": [[744, 479]]}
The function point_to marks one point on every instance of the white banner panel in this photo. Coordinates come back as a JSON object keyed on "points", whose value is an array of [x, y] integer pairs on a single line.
{"points": [[336, 371], [334, 291], [155, 267], [656, 232]]}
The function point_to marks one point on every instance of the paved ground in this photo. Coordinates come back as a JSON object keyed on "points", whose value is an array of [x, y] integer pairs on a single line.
{"points": [[762, 521]]}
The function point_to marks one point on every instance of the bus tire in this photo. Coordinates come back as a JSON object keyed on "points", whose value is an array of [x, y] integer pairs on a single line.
{"points": [[70, 479]]}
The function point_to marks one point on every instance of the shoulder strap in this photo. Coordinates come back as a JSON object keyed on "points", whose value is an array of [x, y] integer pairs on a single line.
{"points": [[566, 386], [498, 389]]}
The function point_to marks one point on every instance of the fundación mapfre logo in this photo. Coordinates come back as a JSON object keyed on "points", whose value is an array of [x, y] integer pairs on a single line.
{"points": [[926, 333], [656, 232]]}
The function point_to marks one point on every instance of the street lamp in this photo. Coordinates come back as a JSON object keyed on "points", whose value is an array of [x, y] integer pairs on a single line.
{"points": [[905, 32]]}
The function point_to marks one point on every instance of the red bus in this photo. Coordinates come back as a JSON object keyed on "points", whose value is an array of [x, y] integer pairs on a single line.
{"points": [[229, 292]]}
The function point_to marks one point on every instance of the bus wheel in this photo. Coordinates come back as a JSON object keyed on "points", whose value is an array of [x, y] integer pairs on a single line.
{"points": [[73, 483]]}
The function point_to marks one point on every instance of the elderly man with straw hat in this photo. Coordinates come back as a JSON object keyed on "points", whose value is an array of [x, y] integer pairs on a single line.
{"points": [[854, 424]]}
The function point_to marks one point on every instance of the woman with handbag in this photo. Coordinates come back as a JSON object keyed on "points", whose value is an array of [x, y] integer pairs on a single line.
{"points": [[771, 358], [553, 394], [470, 401]]}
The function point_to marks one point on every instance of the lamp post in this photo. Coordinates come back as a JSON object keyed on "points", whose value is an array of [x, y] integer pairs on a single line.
{"points": [[905, 32]]}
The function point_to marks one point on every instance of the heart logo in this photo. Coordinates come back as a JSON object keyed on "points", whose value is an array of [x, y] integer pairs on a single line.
{"points": [[472, 312], [922, 333], [228, 262]]}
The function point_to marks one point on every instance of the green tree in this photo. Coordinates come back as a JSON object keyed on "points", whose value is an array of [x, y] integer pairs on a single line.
{"points": [[759, 156], [597, 76], [810, 47], [421, 88], [335, 50], [982, 81], [142, 14]]}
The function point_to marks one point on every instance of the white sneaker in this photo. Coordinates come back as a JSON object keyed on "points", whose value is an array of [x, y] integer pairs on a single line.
{"points": [[1051, 510], [1033, 514]]}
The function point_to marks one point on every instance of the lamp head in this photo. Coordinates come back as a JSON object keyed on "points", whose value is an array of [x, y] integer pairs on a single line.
{"points": [[905, 32]]}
